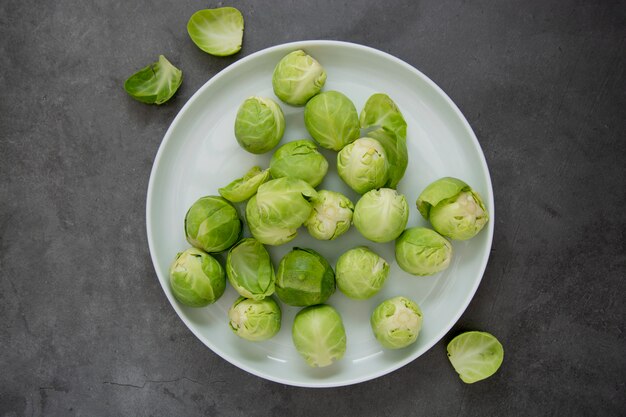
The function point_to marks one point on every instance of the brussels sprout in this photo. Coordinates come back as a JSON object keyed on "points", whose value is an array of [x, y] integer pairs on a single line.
{"points": [[268, 235], [284, 202], [249, 269], [381, 215], [318, 335], [196, 278], [453, 208], [331, 215], [421, 251], [304, 278], [475, 356], [299, 159], [259, 125], [361, 273], [363, 165], [156, 83], [218, 31], [396, 322], [381, 111], [255, 320], [243, 188], [297, 78], [212, 224], [332, 120], [385, 123]]}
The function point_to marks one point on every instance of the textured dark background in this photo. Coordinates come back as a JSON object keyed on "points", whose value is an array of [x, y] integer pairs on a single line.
{"points": [[86, 329]]}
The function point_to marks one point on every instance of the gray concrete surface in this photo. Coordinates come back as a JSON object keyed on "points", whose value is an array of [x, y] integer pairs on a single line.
{"points": [[86, 330]]}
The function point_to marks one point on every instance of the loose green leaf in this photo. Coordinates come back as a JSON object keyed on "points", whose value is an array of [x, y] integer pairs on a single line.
{"points": [[475, 355], [218, 31], [156, 83], [243, 188], [381, 111]]}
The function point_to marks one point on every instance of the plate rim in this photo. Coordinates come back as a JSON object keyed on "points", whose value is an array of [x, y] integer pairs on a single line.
{"points": [[303, 45]]}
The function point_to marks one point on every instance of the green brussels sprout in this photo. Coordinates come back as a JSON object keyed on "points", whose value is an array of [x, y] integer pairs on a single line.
{"points": [[361, 273], [212, 224], [421, 251], [268, 235], [243, 188], [156, 83], [196, 278], [318, 335], [304, 278], [255, 320], [475, 356], [249, 269], [453, 208], [284, 202], [332, 120], [218, 31], [381, 215], [363, 165], [381, 111], [396, 322], [297, 78], [299, 159], [259, 125], [331, 215]]}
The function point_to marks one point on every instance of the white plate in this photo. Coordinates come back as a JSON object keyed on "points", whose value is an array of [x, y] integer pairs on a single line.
{"points": [[199, 154]]}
